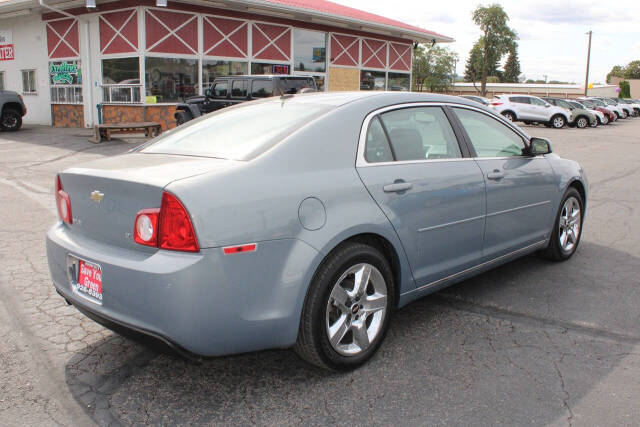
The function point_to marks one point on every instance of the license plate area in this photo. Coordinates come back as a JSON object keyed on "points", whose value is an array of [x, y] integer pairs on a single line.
{"points": [[85, 278]]}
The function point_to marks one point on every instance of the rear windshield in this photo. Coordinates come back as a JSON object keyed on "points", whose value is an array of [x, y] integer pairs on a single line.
{"points": [[237, 133], [296, 85]]}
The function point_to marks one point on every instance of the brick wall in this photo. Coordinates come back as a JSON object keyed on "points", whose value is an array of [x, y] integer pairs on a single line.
{"points": [[67, 115], [162, 114], [343, 79]]}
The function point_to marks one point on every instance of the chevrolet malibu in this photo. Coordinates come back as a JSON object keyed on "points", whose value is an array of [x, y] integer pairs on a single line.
{"points": [[304, 221]]}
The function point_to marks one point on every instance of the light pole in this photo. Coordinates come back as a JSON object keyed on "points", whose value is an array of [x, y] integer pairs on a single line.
{"points": [[586, 79]]}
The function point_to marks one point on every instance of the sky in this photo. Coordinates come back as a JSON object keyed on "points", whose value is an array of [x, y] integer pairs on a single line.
{"points": [[552, 34]]}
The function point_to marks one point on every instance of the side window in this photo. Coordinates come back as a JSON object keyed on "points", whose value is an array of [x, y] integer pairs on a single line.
{"points": [[239, 89], [519, 100], [538, 102], [377, 149], [220, 89], [261, 89], [419, 133], [489, 137]]}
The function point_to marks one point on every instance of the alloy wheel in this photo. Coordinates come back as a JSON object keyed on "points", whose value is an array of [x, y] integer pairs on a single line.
{"points": [[356, 309], [9, 121], [605, 119], [558, 122], [570, 223], [582, 123]]}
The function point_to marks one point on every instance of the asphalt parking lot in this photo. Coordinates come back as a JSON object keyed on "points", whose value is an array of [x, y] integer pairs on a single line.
{"points": [[530, 343]]}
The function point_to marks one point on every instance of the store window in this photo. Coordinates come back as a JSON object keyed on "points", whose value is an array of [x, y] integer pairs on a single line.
{"points": [[399, 82], [171, 79], [121, 80], [309, 51], [264, 68], [212, 69], [372, 80], [65, 80], [29, 81]]}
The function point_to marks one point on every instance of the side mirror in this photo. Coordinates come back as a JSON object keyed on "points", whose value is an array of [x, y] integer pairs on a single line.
{"points": [[547, 105], [207, 92], [539, 146]]}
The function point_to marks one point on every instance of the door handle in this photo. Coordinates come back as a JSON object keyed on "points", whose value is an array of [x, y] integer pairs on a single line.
{"points": [[397, 187], [495, 175]]}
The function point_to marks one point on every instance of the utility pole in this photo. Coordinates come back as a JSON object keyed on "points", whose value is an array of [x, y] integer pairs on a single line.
{"points": [[586, 79]]}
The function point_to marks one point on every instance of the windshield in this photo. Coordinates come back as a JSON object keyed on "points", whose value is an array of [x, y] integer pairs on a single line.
{"points": [[577, 105], [588, 104], [237, 133], [598, 103]]}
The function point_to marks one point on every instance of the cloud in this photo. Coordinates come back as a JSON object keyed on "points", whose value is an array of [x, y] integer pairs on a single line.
{"points": [[567, 12]]}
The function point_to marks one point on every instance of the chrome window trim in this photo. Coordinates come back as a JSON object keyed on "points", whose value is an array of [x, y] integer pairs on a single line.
{"points": [[362, 140]]}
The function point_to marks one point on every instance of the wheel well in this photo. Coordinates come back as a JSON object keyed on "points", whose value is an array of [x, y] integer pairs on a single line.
{"points": [[578, 186], [386, 248], [12, 106]]}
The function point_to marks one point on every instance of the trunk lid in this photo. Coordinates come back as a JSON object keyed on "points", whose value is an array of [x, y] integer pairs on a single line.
{"points": [[107, 194]]}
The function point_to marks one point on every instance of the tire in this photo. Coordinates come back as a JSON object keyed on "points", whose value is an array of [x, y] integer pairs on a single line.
{"points": [[182, 117], [595, 124], [625, 114], [330, 306], [509, 116], [11, 120], [617, 115], [605, 120], [557, 251], [558, 121], [582, 122]]}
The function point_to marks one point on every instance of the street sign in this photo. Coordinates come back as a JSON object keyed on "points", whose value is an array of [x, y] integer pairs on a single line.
{"points": [[6, 52]]}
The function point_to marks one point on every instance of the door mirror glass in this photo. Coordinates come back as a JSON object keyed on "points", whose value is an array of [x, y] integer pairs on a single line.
{"points": [[540, 146]]}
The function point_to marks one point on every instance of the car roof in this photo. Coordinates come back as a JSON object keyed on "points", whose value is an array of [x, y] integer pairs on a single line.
{"points": [[264, 76], [383, 97]]}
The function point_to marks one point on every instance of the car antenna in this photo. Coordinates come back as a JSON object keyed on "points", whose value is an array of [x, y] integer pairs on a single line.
{"points": [[283, 95]]}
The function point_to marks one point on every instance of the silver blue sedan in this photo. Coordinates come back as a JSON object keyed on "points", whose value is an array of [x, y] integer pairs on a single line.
{"points": [[305, 221]]}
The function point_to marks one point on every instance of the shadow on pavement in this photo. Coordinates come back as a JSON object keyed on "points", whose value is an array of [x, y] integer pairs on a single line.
{"points": [[481, 352]]}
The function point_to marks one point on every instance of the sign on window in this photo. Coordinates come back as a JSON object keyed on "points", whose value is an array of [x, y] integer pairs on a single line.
{"points": [[6, 52], [65, 73]]}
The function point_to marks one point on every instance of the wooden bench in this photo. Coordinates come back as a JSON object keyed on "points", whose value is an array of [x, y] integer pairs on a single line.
{"points": [[150, 129]]}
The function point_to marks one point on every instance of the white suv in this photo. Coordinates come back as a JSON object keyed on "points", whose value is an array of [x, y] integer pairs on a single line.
{"points": [[530, 109]]}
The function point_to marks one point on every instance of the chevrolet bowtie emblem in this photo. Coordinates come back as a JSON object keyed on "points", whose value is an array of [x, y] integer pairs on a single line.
{"points": [[97, 196]]}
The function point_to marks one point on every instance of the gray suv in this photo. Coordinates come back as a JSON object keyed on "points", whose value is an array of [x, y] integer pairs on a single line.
{"points": [[12, 110]]}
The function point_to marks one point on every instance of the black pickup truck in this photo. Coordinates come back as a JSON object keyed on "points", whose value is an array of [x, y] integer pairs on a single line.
{"points": [[231, 90]]}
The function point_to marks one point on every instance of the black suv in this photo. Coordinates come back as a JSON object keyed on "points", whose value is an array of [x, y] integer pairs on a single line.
{"points": [[231, 90]]}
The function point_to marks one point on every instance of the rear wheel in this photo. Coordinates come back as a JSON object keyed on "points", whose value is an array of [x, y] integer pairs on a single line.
{"points": [[509, 116], [11, 120], [348, 308], [625, 114], [567, 228], [558, 121], [182, 117]]}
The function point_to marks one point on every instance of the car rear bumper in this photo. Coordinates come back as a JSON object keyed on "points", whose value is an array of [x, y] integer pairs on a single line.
{"points": [[202, 304]]}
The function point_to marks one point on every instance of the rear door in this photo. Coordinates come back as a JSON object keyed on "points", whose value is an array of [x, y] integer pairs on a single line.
{"points": [[427, 185], [519, 187], [540, 109]]}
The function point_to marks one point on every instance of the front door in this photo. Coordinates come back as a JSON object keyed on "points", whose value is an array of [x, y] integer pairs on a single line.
{"points": [[519, 187], [430, 189]]}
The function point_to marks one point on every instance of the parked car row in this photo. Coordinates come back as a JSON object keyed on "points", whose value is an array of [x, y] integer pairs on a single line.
{"points": [[561, 112]]}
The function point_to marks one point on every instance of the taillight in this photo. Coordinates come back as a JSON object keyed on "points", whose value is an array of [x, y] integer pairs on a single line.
{"points": [[496, 103], [63, 203], [166, 228]]}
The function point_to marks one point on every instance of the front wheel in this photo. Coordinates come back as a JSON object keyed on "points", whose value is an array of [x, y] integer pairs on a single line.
{"points": [[11, 120], [567, 228], [625, 114], [605, 120], [595, 123], [558, 121], [348, 308], [582, 122], [182, 117]]}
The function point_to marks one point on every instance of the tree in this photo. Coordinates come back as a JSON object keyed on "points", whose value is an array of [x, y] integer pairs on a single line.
{"points": [[433, 68], [473, 68], [616, 71], [632, 70], [512, 66], [625, 89], [496, 40]]}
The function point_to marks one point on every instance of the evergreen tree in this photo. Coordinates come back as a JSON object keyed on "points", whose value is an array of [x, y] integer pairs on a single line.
{"points": [[512, 66]]}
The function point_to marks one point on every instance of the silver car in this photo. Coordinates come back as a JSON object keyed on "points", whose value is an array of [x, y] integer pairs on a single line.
{"points": [[305, 221]]}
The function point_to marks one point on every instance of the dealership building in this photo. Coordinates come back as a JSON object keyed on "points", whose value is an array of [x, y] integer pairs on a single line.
{"points": [[136, 59]]}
